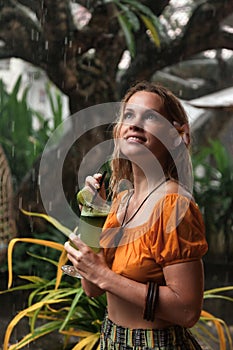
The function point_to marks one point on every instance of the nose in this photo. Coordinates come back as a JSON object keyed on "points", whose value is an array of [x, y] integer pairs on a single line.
{"points": [[136, 123]]}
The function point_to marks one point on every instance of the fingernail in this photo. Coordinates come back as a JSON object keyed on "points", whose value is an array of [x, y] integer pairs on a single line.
{"points": [[72, 236], [97, 186]]}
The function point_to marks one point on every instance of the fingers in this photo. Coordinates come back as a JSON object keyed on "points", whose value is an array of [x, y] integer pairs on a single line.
{"points": [[77, 241], [76, 255], [93, 181]]}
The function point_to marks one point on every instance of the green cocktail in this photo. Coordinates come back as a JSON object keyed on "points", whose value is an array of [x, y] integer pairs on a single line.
{"points": [[93, 215]]}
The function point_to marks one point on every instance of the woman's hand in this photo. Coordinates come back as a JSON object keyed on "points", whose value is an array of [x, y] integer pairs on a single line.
{"points": [[90, 265], [93, 182]]}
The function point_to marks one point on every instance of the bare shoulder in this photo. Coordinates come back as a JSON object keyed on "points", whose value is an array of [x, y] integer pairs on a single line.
{"points": [[174, 187]]}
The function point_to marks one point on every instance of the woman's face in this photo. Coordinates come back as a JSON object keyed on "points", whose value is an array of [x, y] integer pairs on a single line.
{"points": [[144, 127]]}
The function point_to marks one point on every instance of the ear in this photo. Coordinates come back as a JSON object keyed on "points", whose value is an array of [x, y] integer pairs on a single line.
{"points": [[184, 132], [175, 138]]}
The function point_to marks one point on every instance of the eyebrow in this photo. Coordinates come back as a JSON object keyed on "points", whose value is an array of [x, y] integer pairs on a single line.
{"points": [[148, 109]]}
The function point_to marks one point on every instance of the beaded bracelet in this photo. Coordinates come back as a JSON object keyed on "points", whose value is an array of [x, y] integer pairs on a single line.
{"points": [[151, 299]]}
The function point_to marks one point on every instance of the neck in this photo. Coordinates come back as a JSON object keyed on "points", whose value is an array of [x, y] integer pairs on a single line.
{"points": [[144, 182]]}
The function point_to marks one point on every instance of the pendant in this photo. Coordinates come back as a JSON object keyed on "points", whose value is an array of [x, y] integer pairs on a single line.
{"points": [[118, 236]]}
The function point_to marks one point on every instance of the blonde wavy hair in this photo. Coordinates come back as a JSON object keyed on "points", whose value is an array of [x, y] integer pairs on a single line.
{"points": [[121, 167]]}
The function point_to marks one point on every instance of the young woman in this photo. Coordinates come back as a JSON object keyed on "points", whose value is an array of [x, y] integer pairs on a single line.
{"points": [[153, 239]]}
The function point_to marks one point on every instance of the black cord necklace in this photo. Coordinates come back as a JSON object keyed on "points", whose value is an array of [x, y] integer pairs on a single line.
{"points": [[123, 223]]}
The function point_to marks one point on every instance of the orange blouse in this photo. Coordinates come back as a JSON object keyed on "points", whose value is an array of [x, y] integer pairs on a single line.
{"points": [[173, 234]]}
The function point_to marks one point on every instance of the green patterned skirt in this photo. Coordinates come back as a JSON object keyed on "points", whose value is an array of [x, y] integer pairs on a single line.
{"points": [[114, 337]]}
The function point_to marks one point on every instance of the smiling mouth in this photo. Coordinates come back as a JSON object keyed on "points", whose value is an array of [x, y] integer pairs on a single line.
{"points": [[135, 139]]}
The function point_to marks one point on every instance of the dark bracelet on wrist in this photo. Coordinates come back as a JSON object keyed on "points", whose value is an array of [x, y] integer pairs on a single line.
{"points": [[151, 299]]}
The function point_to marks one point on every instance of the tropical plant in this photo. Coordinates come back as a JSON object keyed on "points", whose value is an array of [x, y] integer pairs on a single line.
{"points": [[61, 47], [55, 101], [130, 14], [24, 131], [213, 190], [82, 55], [60, 305], [204, 329]]}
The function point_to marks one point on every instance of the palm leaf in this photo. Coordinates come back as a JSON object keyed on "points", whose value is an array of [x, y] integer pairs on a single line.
{"points": [[130, 15], [127, 29]]}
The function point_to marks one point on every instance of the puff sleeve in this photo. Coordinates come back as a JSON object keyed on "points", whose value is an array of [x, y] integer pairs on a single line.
{"points": [[180, 232]]}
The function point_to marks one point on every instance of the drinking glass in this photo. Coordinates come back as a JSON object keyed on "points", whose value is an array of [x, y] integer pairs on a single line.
{"points": [[93, 216]]}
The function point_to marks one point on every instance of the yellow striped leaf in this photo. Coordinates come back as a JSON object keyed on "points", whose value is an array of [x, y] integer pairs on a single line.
{"points": [[22, 314], [218, 326], [46, 243], [87, 342], [51, 220], [62, 260]]}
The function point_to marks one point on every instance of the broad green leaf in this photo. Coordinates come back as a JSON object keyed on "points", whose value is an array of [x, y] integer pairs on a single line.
{"points": [[130, 16], [139, 6], [127, 29]]}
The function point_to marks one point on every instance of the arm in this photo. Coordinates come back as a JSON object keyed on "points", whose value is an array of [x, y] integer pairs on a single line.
{"points": [[179, 302], [90, 289]]}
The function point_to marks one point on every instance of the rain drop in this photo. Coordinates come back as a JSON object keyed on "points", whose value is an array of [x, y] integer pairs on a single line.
{"points": [[46, 45], [32, 34], [33, 175], [65, 58], [20, 202], [50, 206], [37, 197]]}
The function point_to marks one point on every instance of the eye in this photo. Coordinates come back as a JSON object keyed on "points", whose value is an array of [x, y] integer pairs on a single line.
{"points": [[150, 115], [128, 115]]}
